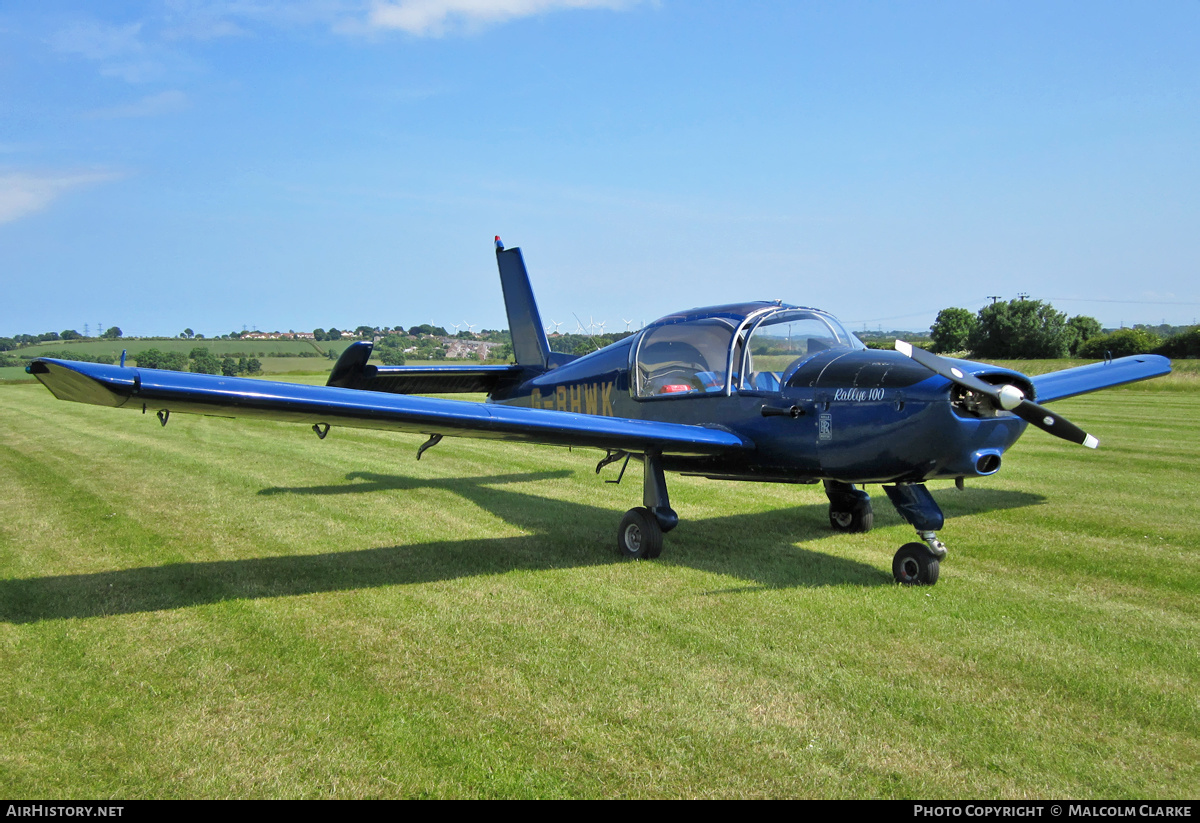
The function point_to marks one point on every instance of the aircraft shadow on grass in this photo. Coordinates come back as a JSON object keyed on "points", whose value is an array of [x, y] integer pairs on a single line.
{"points": [[760, 548]]}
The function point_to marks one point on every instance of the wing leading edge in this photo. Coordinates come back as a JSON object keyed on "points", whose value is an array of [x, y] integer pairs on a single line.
{"points": [[154, 389]]}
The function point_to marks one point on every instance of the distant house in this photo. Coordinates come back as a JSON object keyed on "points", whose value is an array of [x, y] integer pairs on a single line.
{"points": [[457, 349]]}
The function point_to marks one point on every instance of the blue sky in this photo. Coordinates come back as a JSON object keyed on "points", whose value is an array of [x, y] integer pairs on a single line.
{"points": [[293, 165]]}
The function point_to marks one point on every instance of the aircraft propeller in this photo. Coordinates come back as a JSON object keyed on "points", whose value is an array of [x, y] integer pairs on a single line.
{"points": [[1007, 397]]}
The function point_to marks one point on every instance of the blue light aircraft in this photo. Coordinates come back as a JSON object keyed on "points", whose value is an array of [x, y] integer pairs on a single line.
{"points": [[761, 391]]}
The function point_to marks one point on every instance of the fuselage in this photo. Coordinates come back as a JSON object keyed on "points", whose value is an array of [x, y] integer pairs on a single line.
{"points": [[813, 399]]}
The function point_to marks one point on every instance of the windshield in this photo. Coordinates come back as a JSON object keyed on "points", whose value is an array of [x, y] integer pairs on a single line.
{"points": [[786, 337], [696, 356]]}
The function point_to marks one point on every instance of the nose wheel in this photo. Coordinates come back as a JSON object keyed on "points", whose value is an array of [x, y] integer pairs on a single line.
{"points": [[915, 565]]}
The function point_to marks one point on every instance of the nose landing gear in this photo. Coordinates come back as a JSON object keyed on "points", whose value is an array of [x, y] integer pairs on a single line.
{"points": [[917, 564]]}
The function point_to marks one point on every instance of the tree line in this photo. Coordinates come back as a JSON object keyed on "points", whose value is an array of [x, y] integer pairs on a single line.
{"points": [[199, 360], [18, 340], [1016, 329], [1034, 330]]}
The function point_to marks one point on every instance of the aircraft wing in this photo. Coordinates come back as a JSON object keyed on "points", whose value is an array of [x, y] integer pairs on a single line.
{"points": [[1083, 379], [155, 390]]}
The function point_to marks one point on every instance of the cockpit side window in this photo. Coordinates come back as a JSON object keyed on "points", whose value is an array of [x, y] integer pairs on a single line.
{"points": [[683, 358], [787, 337]]}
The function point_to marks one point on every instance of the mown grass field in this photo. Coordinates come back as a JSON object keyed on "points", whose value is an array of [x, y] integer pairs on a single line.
{"points": [[237, 609]]}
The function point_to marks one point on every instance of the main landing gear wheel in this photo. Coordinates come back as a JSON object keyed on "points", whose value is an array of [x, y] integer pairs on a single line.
{"points": [[858, 519], [640, 537], [915, 565]]}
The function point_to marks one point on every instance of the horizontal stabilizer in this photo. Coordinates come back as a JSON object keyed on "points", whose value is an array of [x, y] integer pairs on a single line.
{"points": [[441, 379], [154, 390], [1083, 379], [352, 371]]}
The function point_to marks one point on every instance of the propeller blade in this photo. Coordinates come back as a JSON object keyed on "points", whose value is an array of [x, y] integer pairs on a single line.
{"points": [[949, 371], [1009, 398], [1057, 425]]}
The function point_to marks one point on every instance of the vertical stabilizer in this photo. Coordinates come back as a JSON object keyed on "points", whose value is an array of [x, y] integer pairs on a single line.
{"points": [[530, 347]]}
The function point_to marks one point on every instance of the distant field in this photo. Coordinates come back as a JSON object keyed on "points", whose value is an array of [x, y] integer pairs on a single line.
{"points": [[237, 609], [261, 349], [251, 348]]}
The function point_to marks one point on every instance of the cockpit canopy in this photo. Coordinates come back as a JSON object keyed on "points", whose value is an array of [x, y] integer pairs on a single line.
{"points": [[732, 348]]}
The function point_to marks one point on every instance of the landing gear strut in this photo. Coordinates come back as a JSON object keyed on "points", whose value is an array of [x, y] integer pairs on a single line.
{"points": [[642, 529], [917, 564]]}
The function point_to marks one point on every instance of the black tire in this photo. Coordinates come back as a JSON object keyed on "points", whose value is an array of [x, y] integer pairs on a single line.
{"points": [[640, 537], [915, 565], [860, 518]]}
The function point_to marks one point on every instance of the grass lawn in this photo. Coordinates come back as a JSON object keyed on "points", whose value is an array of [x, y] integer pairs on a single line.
{"points": [[237, 609]]}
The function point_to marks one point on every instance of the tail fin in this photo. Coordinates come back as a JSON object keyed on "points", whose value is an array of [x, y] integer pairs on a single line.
{"points": [[530, 346]]}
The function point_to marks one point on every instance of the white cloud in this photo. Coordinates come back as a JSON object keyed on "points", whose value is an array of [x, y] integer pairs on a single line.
{"points": [[125, 51], [205, 30], [152, 105], [98, 41], [23, 193], [209, 19], [432, 18]]}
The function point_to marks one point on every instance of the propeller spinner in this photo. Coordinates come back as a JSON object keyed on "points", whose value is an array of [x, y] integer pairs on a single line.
{"points": [[1007, 397]]}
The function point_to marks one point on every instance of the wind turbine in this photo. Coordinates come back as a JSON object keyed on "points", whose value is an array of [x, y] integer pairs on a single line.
{"points": [[628, 323]]}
